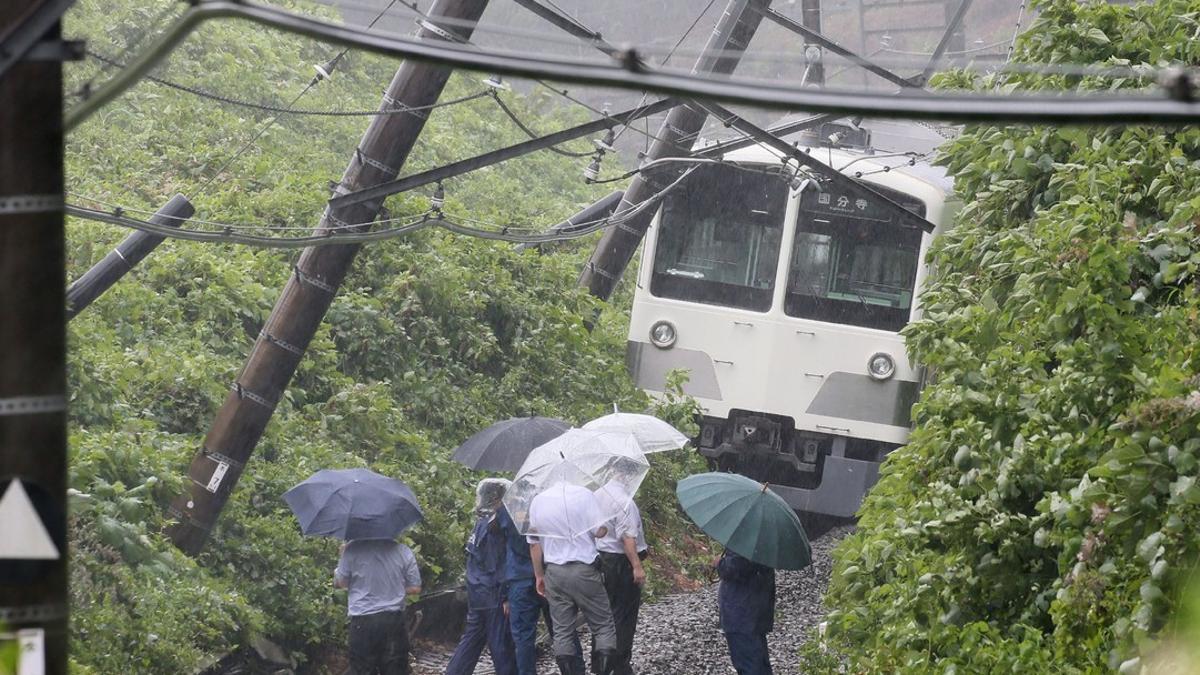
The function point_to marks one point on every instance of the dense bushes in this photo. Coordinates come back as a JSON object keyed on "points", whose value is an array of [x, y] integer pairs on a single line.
{"points": [[1056, 451]]}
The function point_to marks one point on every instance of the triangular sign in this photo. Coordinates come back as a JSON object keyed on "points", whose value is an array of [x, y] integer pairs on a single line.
{"points": [[22, 534]]}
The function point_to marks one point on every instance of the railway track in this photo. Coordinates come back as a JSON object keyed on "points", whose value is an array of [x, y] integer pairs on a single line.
{"points": [[678, 635]]}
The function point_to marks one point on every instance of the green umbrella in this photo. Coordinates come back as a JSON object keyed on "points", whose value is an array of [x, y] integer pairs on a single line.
{"points": [[747, 517]]}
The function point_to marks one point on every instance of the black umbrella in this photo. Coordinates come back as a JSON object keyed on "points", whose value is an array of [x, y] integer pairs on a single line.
{"points": [[505, 445], [353, 504]]}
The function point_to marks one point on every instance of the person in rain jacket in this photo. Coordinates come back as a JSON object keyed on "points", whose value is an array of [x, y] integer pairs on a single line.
{"points": [[487, 592], [524, 603], [746, 601]]}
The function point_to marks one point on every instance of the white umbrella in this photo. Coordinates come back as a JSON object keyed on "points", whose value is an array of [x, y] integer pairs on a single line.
{"points": [[653, 434], [604, 461]]}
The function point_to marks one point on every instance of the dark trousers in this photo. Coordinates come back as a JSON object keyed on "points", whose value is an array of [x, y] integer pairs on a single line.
{"points": [[748, 651], [484, 626], [625, 598], [379, 644], [524, 607]]}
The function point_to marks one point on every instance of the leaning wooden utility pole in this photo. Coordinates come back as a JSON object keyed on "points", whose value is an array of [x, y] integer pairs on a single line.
{"points": [[122, 259], [673, 139], [305, 298], [33, 438]]}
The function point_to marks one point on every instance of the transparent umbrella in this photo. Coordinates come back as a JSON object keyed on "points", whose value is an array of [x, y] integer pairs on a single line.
{"points": [[653, 434], [547, 485]]}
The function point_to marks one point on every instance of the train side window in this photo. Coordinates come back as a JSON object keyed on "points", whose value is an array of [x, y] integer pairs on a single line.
{"points": [[851, 263], [719, 238]]}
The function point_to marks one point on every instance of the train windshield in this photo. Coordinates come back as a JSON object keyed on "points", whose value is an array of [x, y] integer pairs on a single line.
{"points": [[719, 237], [852, 263]]}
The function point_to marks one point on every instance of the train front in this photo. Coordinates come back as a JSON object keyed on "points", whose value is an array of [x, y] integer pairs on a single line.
{"points": [[782, 299]]}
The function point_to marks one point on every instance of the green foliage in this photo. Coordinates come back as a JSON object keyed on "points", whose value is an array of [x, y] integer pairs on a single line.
{"points": [[1056, 449], [431, 338]]}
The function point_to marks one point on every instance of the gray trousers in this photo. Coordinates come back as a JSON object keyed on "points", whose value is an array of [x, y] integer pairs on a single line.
{"points": [[573, 588]]}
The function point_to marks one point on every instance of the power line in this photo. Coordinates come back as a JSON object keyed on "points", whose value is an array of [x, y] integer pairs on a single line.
{"points": [[321, 75], [287, 110], [530, 132], [666, 58], [231, 234], [1170, 105]]}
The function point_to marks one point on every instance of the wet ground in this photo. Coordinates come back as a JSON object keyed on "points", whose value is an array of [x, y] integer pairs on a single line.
{"points": [[678, 635]]}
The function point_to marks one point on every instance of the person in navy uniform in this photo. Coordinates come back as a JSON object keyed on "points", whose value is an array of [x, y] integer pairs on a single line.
{"points": [[487, 590], [746, 601]]}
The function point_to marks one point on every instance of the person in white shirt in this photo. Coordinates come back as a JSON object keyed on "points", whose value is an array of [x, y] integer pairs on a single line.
{"points": [[564, 522], [622, 550]]}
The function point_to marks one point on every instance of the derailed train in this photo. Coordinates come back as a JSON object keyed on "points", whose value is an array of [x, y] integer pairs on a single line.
{"points": [[783, 298]]}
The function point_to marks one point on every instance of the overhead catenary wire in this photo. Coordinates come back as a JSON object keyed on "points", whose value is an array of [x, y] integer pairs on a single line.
{"points": [[530, 132], [1170, 105], [285, 110], [510, 233], [686, 33], [84, 90]]}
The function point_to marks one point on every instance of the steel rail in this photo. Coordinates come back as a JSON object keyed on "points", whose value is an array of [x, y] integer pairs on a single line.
{"points": [[907, 104]]}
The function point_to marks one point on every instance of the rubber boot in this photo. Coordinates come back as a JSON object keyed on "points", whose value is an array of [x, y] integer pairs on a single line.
{"points": [[603, 662], [569, 665]]}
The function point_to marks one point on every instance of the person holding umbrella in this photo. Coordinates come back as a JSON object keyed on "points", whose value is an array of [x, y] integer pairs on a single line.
{"points": [[524, 602], [552, 502], [565, 521], [746, 604], [368, 511], [761, 533], [487, 601], [622, 549], [379, 575]]}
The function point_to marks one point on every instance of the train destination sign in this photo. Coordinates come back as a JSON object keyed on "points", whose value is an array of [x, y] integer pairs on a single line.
{"points": [[833, 203]]}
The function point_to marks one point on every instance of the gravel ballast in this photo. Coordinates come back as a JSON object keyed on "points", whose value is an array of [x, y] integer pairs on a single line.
{"points": [[679, 635]]}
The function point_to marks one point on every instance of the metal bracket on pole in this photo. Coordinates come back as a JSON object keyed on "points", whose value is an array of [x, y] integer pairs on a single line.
{"points": [[282, 344], [10, 204], [57, 50], [399, 106], [27, 31], [32, 405], [245, 393]]}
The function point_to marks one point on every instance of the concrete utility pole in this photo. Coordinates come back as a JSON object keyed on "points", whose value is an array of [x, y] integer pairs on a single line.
{"points": [[302, 305], [131, 251], [675, 137], [33, 439]]}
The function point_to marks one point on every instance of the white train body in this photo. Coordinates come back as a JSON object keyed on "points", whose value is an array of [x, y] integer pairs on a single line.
{"points": [[778, 301]]}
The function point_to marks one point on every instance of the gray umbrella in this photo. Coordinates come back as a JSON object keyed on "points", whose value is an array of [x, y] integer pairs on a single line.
{"points": [[353, 504], [505, 445]]}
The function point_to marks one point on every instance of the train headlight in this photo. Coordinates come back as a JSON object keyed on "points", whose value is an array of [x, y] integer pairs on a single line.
{"points": [[662, 334], [881, 366]]}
